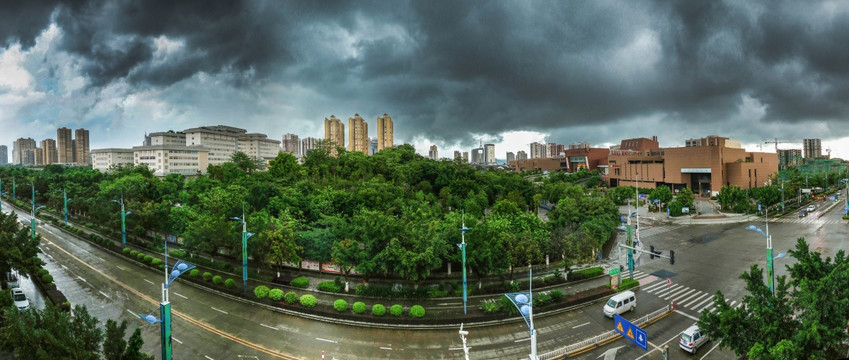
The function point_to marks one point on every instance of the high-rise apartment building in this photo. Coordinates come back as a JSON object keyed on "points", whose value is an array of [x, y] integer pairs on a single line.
{"points": [[25, 151], [49, 153], [489, 154], [788, 158], [458, 154], [39, 156], [64, 146], [372, 146], [385, 132], [358, 134], [477, 156], [537, 150], [334, 131], [521, 155], [433, 153], [308, 144], [812, 148], [466, 156], [220, 141], [291, 144], [81, 147], [510, 156], [4, 155]]}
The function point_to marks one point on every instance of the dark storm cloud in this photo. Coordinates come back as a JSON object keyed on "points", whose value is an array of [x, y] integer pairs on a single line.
{"points": [[447, 69]]}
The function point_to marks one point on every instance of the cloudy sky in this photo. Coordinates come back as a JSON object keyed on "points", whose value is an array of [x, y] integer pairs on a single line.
{"points": [[450, 73]]}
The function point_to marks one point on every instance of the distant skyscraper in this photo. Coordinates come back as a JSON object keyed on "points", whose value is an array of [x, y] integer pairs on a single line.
{"points": [[81, 147], [521, 155], [385, 132], [291, 144], [334, 131], [308, 144], [510, 156], [579, 145], [466, 156], [64, 146], [433, 153], [39, 156], [537, 150], [25, 151], [551, 149], [812, 148], [477, 156], [489, 154], [372, 146], [457, 154], [4, 155], [50, 156], [358, 134]]}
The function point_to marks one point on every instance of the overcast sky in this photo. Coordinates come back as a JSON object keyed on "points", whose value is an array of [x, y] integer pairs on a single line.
{"points": [[450, 73]]}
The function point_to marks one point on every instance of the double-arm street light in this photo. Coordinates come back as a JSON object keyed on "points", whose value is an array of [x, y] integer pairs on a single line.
{"points": [[630, 244], [769, 266], [463, 251], [165, 307], [245, 236], [34, 209], [123, 219], [524, 302]]}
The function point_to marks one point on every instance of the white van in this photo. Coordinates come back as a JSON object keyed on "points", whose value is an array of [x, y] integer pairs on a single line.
{"points": [[620, 303]]}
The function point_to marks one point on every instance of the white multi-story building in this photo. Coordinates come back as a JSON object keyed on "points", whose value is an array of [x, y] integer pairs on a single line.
{"points": [[521, 155], [220, 141], [167, 138], [259, 146], [172, 159], [308, 144], [489, 154], [104, 159]]}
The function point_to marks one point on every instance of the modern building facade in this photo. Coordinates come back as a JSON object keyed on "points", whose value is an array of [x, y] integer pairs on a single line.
{"points": [[433, 153], [489, 154], [334, 131], [49, 152], [105, 160], [572, 160], [510, 157], [537, 150], [25, 152], [458, 154], [39, 156], [308, 144], [521, 155], [163, 160], [166, 138], [81, 147], [4, 155], [812, 148], [219, 142], [358, 134], [259, 146], [291, 144], [64, 146], [477, 156], [372, 146], [385, 132]]}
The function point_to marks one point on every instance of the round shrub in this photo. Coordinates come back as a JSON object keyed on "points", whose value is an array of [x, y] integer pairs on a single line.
{"points": [[42, 271], [359, 307], [147, 259], [47, 278], [194, 273], [340, 305], [300, 282], [329, 286], [217, 280], [308, 301], [276, 294], [133, 253], [230, 283], [140, 256], [156, 262], [378, 310], [396, 310], [127, 250], [261, 292], [290, 297], [207, 276], [417, 311]]}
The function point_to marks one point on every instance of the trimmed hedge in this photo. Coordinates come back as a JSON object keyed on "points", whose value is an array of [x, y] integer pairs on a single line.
{"points": [[340, 305], [261, 292], [140, 256], [396, 310], [156, 262], [217, 280], [47, 278], [556, 295], [194, 273], [230, 283], [300, 282], [627, 284], [207, 276], [275, 294], [417, 311], [133, 253], [177, 253], [127, 250], [329, 286], [359, 307], [586, 273], [378, 310], [290, 297], [309, 301]]}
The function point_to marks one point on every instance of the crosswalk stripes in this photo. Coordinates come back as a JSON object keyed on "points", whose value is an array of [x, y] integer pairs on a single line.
{"points": [[655, 230], [807, 220], [686, 297]]}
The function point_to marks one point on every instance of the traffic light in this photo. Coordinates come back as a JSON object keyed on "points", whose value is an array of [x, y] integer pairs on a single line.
{"points": [[671, 257], [651, 252]]}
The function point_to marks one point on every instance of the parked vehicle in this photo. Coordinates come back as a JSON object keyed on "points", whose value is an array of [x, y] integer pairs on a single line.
{"points": [[21, 301], [12, 279], [620, 303], [691, 339], [811, 208]]}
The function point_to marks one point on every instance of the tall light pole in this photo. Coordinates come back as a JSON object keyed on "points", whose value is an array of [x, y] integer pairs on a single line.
{"points": [[65, 196], [245, 236], [524, 302], [462, 246], [34, 209], [14, 188], [123, 219], [165, 307], [769, 268]]}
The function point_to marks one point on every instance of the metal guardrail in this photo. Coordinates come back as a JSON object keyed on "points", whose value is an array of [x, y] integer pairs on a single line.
{"points": [[600, 339]]}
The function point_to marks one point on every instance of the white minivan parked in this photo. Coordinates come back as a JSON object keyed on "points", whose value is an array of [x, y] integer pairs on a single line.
{"points": [[620, 303]]}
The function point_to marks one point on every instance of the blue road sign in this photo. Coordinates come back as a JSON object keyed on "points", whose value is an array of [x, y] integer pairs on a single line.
{"points": [[641, 196], [630, 331], [759, 207]]}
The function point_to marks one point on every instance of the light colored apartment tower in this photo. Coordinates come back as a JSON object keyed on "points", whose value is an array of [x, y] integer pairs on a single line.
{"points": [[39, 156], [219, 141], [537, 150], [64, 146], [466, 156], [489, 154], [308, 144], [433, 153], [4, 155], [521, 155], [291, 144], [510, 156], [334, 130], [385, 132], [49, 154], [81, 147], [103, 160], [812, 148], [259, 146], [25, 152], [477, 156], [358, 134], [458, 154]]}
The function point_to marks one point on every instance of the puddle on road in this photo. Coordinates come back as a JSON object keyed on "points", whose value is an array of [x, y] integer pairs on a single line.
{"points": [[704, 239]]}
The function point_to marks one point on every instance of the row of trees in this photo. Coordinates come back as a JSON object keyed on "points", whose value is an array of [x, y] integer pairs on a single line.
{"points": [[785, 185]]}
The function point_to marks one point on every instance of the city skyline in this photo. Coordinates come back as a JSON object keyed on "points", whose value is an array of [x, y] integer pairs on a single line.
{"points": [[600, 72]]}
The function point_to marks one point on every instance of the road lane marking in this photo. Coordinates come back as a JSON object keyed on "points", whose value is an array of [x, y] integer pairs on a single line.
{"points": [[175, 293], [65, 267], [122, 269], [270, 327], [459, 348], [700, 305], [81, 278], [385, 348], [711, 349], [577, 326], [653, 286], [208, 357], [219, 310], [325, 340], [679, 312], [448, 304], [175, 339], [134, 314], [104, 294], [520, 340], [151, 282]]}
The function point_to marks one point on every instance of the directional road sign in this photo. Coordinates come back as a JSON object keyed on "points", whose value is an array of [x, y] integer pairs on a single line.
{"points": [[630, 331]]}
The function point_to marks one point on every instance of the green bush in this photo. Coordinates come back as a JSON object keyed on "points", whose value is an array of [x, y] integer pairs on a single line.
{"points": [[378, 310], [207, 276], [177, 253], [329, 286], [133, 253], [275, 294], [556, 295], [290, 297], [396, 310], [586, 273], [490, 306], [156, 262], [627, 284], [47, 278], [147, 259], [308, 301], [261, 292], [417, 311], [340, 305], [140, 256], [359, 307], [230, 283], [541, 299], [300, 282], [127, 250], [42, 271], [194, 273], [217, 280]]}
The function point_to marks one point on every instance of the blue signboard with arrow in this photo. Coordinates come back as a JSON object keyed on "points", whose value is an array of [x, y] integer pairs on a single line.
{"points": [[630, 331]]}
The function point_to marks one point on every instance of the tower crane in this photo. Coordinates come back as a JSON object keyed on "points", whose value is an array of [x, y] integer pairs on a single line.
{"points": [[776, 142]]}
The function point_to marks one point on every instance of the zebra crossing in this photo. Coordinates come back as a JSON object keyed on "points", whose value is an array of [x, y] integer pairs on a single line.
{"points": [[807, 220], [685, 297], [648, 230]]}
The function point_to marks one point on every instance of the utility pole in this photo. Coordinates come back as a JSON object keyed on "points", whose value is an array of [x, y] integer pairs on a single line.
{"points": [[462, 246]]}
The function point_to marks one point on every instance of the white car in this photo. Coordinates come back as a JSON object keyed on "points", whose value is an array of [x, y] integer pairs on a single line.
{"points": [[20, 298], [812, 208], [691, 339]]}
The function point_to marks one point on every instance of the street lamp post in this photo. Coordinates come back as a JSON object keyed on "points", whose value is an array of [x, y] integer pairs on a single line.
{"points": [[123, 219], [769, 268], [165, 307], [65, 196], [245, 236], [14, 189], [630, 252], [34, 209], [462, 246], [524, 302]]}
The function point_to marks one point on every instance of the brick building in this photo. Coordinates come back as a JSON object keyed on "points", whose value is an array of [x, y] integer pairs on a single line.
{"points": [[572, 160]]}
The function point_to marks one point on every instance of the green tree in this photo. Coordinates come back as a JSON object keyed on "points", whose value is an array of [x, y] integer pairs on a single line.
{"points": [[685, 197], [113, 342], [51, 334], [134, 345], [662, 194], [21, 251]]}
